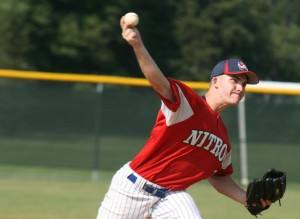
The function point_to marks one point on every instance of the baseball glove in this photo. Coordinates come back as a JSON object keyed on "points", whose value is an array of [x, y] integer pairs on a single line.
{"points": [[270, 187]]}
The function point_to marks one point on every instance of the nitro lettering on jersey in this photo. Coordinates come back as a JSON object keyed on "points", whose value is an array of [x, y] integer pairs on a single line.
{"points": [[209, 142]]}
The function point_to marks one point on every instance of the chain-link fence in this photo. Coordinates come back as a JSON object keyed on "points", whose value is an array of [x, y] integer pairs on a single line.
{"points": [[100, 127]]}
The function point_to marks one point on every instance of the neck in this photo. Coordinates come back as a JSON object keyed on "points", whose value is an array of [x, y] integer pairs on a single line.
{"points": [[214, 104]]}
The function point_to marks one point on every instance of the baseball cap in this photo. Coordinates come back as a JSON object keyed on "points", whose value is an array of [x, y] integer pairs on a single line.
{"points": [[234, 67]]}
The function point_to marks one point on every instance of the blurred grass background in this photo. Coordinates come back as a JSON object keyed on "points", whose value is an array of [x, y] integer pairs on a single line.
{"points": [[80, 198]]}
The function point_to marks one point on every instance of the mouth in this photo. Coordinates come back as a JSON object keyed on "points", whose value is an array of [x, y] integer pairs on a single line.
{"points": [[239, 95]]}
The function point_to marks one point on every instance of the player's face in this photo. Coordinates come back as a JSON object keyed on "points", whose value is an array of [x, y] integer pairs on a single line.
{"points": [[232, 88]]}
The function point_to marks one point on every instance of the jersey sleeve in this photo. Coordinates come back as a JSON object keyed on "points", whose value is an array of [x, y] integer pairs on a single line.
{"points": [[173, 106], [180, 109], [227, 171], [227, 168]]}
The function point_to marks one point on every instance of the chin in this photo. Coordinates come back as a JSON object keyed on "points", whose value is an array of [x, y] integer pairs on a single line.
{"points": [[234, 102]]}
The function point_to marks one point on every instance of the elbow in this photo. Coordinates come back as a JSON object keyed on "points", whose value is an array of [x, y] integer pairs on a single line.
{"points": [[217, 184], [218, 188], [165, 91]]}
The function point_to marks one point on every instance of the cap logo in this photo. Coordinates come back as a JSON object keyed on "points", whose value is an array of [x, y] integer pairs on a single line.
{"points": [[242, 66]]}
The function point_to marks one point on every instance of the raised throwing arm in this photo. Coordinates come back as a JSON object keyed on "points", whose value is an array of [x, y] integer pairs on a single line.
{"points": [[148, 66]]}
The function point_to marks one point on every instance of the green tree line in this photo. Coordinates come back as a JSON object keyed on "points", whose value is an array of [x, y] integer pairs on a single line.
{"points": [[185, 37]]}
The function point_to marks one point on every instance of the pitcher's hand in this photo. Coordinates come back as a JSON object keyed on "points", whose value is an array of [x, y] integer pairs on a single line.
{"points": [[130, 34]]}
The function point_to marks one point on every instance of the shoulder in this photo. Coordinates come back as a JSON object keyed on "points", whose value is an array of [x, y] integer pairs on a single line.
{"points": [[176, 84]]}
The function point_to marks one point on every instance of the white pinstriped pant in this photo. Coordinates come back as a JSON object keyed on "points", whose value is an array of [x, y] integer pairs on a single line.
{"points": [[127, 200]]}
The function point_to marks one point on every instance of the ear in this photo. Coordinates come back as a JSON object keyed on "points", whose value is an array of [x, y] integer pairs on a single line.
{"points": [[214, 82]]}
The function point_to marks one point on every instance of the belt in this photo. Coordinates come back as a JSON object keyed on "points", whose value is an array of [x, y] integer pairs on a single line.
{"points": [[158, 192]]}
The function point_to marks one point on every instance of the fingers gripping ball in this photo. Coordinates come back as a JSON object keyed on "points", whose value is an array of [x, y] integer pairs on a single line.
{"points": [[131, 19]]}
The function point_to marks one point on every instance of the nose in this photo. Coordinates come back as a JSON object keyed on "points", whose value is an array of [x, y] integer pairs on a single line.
{"points": [[240, 87]]}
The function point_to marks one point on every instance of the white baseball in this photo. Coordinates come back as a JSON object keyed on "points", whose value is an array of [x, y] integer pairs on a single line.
{"points": [[131, 19]]}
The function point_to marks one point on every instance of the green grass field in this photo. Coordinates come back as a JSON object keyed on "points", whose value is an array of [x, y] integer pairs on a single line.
{"points": [[52, 180], [28, 197], [48, 191]]}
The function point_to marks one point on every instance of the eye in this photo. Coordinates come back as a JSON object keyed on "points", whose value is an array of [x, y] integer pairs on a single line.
{"points": [[235, 80]]}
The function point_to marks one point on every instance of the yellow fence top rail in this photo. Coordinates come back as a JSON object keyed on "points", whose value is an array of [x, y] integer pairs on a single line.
{"points": [[283, 88]]}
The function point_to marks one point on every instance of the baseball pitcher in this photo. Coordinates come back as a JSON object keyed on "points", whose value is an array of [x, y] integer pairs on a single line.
{"points": [[189, 143]]}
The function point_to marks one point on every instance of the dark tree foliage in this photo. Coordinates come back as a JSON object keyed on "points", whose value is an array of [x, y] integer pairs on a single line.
{"points": [[185, 37]]}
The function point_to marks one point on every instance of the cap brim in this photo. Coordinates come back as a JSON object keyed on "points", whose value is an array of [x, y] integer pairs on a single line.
{"points": [[252, 77]]}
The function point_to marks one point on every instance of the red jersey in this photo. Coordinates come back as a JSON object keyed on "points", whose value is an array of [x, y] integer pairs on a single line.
{"points": [[188, 143]]}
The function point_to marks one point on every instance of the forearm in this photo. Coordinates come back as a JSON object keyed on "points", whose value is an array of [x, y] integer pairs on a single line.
{"points": [[152, 72], [226, 186], [149, 68]]}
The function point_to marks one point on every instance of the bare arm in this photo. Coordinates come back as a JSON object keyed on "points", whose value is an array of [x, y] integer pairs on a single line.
{"points": [[226, 186], [149, 68]]}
